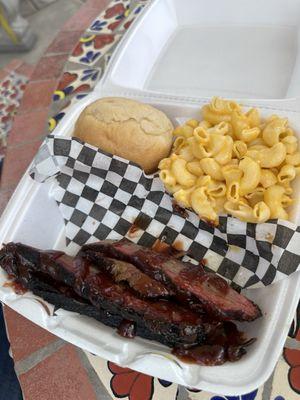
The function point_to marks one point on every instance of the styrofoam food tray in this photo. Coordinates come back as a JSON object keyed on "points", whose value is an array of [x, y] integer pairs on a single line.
{"points": [[235, 48], [32, 217]]}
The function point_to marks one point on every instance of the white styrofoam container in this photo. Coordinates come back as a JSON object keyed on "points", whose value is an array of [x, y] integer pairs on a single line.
{"points": [[233, 48], [32, 216]]}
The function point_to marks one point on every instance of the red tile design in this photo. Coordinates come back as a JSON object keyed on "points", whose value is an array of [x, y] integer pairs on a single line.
{"points": [[114, 10], [28, 126], [82, 88], [49, 67], [37, 95], [84, 16], [60, 376], [102, 40], [132, 384], [64, 42], [114, 25], [25, 337], [292, 357], [78, 49], [16, 161], [67, 79]]}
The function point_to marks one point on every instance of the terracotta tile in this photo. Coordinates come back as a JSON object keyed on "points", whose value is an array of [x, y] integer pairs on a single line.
{"points": [[13, 64], [64, 42], [84, 16], [25, 337], [49, 67], [16, 161], [80, 20], [3, 74], [60, 376], [97, 4], [26, 69], [5, 195], [37, 95], [28, 126]]}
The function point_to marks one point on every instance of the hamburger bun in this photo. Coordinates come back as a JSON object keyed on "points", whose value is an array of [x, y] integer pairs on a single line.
{"points": [[127, 128]]}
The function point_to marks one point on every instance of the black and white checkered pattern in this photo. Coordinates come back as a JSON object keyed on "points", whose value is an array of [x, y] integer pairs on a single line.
{"points": [[100, 196]]}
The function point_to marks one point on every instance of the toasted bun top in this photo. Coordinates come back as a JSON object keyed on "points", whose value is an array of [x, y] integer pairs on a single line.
{"points": [[127, 128]]}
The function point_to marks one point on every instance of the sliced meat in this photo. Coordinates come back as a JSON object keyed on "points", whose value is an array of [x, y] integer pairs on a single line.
{"points": [[123, 271], [192, 285], [167, 321]]}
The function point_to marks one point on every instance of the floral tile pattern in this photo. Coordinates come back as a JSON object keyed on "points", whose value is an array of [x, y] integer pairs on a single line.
{"points": [[92, 47], [111, 18], [77, 81], [93, 52], [57, 117], [292, 357], [91, 56], [128, 383], [132, 15], [11, 91]]}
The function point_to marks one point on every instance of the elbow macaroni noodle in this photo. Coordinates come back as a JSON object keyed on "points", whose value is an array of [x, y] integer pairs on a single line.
{"points": [[234, 162]]}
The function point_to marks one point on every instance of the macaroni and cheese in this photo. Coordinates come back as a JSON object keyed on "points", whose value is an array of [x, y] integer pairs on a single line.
{"points": [[233, 161]]}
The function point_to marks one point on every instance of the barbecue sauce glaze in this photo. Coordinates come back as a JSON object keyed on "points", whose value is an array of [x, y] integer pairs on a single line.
{"points": [[223, 342], [127, 329]]}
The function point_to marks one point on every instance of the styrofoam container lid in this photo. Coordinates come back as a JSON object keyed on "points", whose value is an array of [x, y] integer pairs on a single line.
{"points": [[233, 48]]}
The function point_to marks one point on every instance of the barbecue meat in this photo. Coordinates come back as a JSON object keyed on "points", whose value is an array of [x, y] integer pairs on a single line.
{"points": [[200, 290], [170, 323], [139, 292], [122, 271]]}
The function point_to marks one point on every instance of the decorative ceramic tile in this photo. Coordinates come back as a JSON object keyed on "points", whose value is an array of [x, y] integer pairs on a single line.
{"points": [[92, 47], [57, 117], [292, 359], [76, 81], [111, 18], [132, 15], [11, 92], [85, 53], [286, 378], [53, 121], [129, 384]]}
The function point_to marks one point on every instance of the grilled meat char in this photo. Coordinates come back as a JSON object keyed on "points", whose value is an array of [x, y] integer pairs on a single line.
{"points": [[134, 291], [123, 271], [193, 286], [172, 324]]}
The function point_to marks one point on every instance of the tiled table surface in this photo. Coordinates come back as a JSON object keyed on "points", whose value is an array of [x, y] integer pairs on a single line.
{"points": [[49, 368]]}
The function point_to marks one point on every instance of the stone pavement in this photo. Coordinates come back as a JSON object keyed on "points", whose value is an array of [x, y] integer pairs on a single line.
{"points": [[46, 23]]}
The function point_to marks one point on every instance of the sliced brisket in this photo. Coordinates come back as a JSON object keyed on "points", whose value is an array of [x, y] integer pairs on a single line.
{"points": [[139, 292], [167, 321], [122, 271], [193, 286]]}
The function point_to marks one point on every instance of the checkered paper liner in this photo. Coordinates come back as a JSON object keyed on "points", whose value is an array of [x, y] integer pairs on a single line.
{"points": [[100, 196]]}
